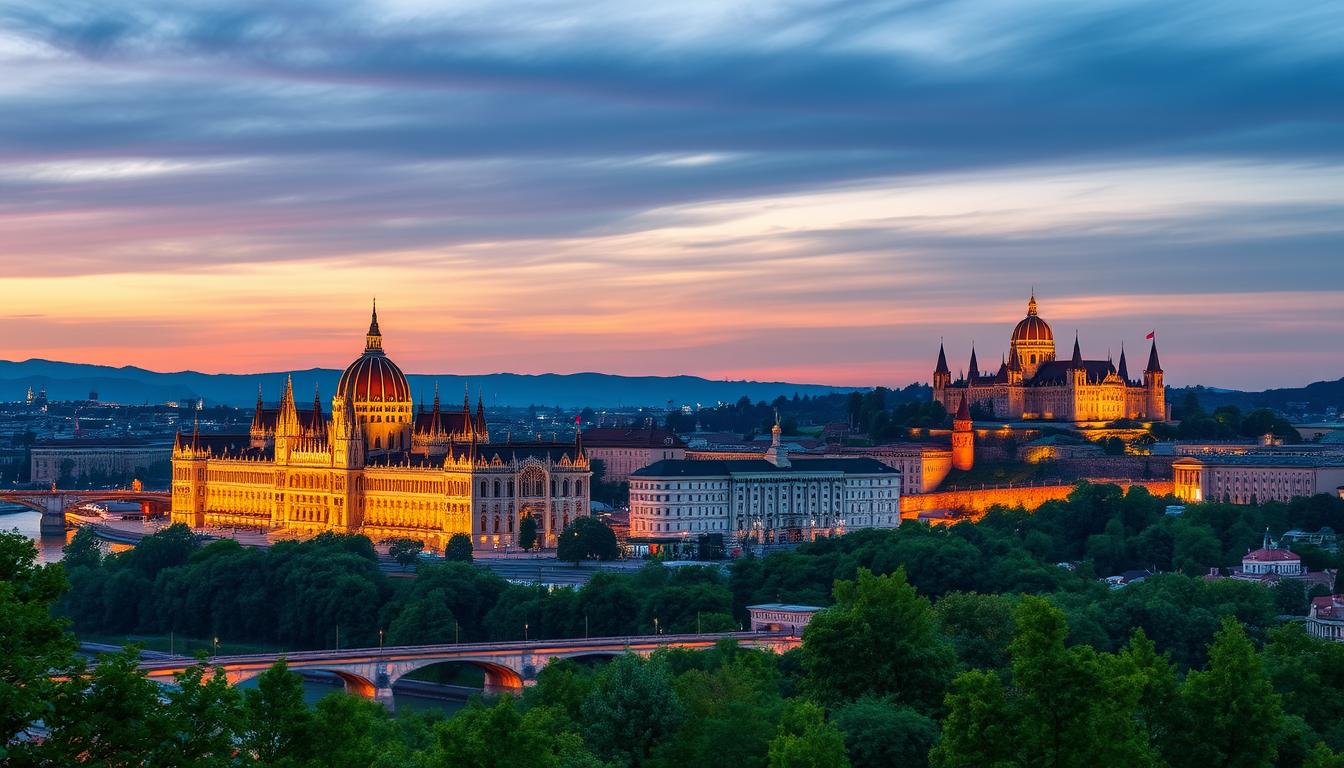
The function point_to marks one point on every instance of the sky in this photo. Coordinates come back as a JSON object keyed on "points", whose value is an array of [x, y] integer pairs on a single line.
{"points": [[813, 191]]}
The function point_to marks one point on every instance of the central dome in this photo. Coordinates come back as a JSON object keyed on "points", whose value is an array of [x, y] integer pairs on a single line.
{"points": [[1032, 327], [373, 378]]}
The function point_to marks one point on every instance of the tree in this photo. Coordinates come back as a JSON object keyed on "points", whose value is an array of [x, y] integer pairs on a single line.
{"points": [[278, 722], [405, 551], [205, 718], [806, 740], [880, 733], [631, 708], [1239, 716], [83, 551], [458, 549], [110, 715], [879, 639], [527, 532], [32, 641], [587, 538]]}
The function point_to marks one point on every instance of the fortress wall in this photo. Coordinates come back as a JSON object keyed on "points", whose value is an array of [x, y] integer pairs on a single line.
{"points": [[973, 504]]}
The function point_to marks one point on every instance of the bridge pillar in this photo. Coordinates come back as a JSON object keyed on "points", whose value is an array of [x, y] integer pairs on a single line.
{"points": [[53, 516]]}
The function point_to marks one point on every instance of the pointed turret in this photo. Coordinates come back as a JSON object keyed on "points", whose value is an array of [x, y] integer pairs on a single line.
{"points": [[480, 412], [1014, 361], [578, 437], [1077, 361], [973, 371], [436, 421], [195, 430], [317, 409], [941, 375], [942, 361], [257, 425], [963, 410], [1123, 370], [1153, 365], [373, 340]]}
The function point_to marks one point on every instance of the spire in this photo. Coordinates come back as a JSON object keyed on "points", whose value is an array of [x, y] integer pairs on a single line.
{"points": [[963, 411], [373, 341], [1014, 361], [480, 410], [578, 437], [434, 427], [1123, 371], [1077, 352], [1003, 367], [1031, 304], [466, 399], [942, 361], [256, 415], [973, 371], [195, 429], [317, 407], [1153, 365]]}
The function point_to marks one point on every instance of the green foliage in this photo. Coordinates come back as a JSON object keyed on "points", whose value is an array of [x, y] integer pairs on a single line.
{"points": [[806, 740], [83, 551], [880, 733], [32, 641], [587, 538], [279, 729], [879, 639], [527, 532], [631, 707], [405, 551], [458, 549], [1239, 715]]}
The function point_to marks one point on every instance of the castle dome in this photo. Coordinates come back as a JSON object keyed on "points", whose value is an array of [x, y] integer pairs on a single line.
{"points": [[1032, 328], [373, 377]]}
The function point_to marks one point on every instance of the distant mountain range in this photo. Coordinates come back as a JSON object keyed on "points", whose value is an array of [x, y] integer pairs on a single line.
{"points": [[135, 386], [1313, 398]]}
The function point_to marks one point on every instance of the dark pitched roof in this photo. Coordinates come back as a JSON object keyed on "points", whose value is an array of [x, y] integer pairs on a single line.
{"points": [[1153, 365], [942, 362], [621, 437], [1056, 372], [799, 464], [1124, 369]]}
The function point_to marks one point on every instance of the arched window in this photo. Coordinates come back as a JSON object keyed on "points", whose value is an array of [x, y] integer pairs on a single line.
{"points": [[564, 488], [578, 487], [483, 494], [553, 493], [377, 443], [497, 494]]}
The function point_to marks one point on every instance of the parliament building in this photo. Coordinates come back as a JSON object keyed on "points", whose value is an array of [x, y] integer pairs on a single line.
{"points": [[375, 464], [1032, 384]]}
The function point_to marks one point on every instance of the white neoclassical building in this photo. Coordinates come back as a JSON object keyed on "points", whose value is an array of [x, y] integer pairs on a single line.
{"points": [[1326, 618], [771, 499]]}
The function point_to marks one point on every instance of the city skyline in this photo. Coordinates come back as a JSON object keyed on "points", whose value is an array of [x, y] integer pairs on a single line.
{"points": [[814, 193]]}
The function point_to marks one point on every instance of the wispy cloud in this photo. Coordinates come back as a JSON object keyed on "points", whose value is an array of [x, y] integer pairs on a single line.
{"points": [[820, 187]]}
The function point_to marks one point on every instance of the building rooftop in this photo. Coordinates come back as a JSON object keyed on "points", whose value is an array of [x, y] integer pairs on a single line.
{"points": [[724, 467], [785, 607], [1262, 460], [631, 437], [1270, 555]]}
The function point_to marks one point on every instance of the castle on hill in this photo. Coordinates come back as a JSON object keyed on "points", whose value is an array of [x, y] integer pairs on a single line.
{"points": [[1032, 384]]}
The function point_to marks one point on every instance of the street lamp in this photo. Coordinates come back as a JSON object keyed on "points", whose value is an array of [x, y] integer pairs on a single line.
{"points": [[656, 630], [216, 646], [380, 640], [524, 630]]}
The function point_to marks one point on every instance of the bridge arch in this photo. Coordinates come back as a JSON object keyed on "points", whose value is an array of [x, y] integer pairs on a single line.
{"points": [[499, 677]]}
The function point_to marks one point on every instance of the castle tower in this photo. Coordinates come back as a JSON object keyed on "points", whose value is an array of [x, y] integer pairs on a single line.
{"points": [[287, 428], [1156, 390], [1032, 340], [942, 376], [963, 438]]}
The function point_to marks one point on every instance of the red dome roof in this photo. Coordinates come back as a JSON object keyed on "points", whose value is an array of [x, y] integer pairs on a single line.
{"points": [[374, 378], [1032, 327]]}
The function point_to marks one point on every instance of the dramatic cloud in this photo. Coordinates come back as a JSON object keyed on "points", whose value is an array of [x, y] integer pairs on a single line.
{"points": [[815, 190]]}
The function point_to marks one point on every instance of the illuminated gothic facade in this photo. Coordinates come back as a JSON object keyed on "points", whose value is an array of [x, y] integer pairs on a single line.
{"points": [[1031, 384], [376, 465]]}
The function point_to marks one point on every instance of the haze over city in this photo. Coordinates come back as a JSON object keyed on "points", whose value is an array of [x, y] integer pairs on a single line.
{"points": [[813, 192]]}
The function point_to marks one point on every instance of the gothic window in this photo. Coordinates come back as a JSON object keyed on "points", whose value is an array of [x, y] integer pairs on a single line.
{"points": [[377, 443], [565, 488], [553, 493], [578, 487], [483, 492]]}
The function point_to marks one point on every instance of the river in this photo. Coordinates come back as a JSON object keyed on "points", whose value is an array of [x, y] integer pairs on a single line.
{"points": [[29, 523]]}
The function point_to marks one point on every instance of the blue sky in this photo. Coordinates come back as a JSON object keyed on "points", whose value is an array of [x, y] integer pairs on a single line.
{"points": [[814, 191]]}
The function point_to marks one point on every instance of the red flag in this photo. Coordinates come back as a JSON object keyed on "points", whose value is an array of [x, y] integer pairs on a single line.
{"points": [[1151, 334]]}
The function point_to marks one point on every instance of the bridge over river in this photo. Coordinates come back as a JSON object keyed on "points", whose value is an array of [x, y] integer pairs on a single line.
{"points": [[54, 503], [508, 666]]}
